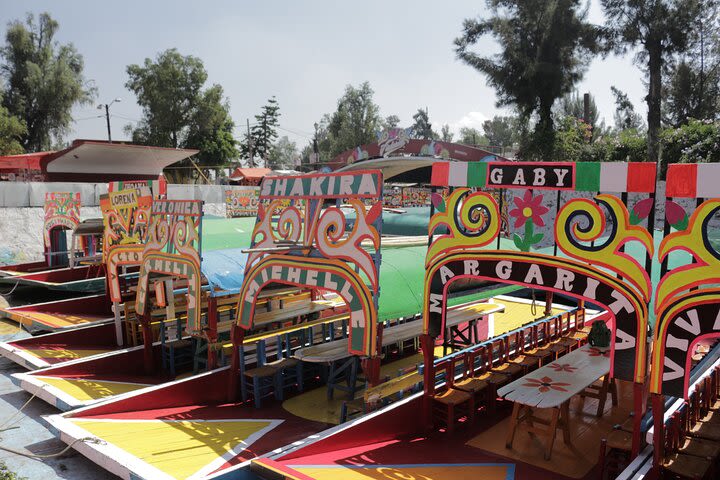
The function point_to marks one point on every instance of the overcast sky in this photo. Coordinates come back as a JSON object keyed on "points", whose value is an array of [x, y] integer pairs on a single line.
{"points": [[303, 52]]}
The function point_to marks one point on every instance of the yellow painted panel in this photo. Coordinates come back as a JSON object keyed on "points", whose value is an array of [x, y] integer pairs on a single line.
{"points": [[63, 353], [179, 448], [8, 327], [444, 472], [84, 390]]}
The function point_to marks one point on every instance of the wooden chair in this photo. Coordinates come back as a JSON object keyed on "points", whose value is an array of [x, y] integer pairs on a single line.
{"points": [[682, 464], [527, 362], [262, 381], [504, 365], [601, 391], [538, 350], [478, 388], [452, 404]]}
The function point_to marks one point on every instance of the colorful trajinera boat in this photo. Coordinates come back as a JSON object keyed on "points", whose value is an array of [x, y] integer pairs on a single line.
{"points": [[68, 268], [439, 394]]}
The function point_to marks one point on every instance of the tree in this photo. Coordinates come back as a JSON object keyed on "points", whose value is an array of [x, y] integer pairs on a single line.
{"points": [[283, 154], [421, 127], [177, 112], [500, 131], [573, 105], [472, 136], [392, 121], [545, 50], [660, 28], [625, 116], [445, 134], [354, 123], [211, 129], [692, 85], [263, 133], [12, 130], [44, 81]]}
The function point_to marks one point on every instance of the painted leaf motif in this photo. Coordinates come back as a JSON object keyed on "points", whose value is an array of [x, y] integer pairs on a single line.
{"points": [[519, 243]]}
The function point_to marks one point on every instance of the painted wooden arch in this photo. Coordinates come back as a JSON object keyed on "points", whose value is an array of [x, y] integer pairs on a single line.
{"points": [[685, 321], [397, 141], [173, 249], [324, 273], [686, 316], [548, 273], [472, 222], [61, 210]]}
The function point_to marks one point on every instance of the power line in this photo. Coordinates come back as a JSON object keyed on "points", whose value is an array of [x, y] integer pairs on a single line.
{"points": [[87, 118], [125, 118]]}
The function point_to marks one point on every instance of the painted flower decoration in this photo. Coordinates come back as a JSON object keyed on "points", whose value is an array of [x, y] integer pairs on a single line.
{"points": [[562, 367], [528, 212], [545, 384], [641, 210], [528, 208], [596, 352], [675, 215]]}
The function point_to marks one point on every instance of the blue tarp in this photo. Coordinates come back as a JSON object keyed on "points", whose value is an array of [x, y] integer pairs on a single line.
{"points": [[224, 269]]}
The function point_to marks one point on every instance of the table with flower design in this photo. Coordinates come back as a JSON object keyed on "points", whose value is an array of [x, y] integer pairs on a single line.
{"points": [[552, 387]]}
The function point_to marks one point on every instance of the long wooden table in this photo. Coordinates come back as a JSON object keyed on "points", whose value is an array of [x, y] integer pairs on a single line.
{"points": [[344, 367], [337, 350], [552, 386]]}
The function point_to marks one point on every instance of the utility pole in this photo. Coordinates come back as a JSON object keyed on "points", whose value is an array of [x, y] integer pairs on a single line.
{"points": [[107, 114], [250, 145], [107, 118]]}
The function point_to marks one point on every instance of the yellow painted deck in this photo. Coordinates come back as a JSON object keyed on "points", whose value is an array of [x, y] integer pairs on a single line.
{"points": [[179, 448], [418, 472], [84, 390], [8, 327], [52, 320], [314, 404], [63, 353]]}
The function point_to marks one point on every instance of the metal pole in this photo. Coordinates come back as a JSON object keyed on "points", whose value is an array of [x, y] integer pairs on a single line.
{"points": [[250, 145], [107, 118]]}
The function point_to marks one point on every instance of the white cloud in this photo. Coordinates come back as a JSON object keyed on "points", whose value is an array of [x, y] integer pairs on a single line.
{"points": [[471, 120]]}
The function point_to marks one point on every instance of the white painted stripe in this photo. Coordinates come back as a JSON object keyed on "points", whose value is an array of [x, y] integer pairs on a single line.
{"points": [[457, 176], [613, 177], [708, 180]]}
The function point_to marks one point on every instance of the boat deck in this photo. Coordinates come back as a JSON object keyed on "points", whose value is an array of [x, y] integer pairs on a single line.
{"points": [[186, 428], [370, 451]]}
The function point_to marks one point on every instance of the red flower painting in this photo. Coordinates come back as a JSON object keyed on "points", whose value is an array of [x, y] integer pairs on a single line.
{"points": [[528, 208], [562, 367], [596, 352], [545, 384]]}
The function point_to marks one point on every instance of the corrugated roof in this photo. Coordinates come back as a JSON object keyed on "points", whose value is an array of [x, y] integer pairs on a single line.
{"points": [[26, 161], [250, 173]]}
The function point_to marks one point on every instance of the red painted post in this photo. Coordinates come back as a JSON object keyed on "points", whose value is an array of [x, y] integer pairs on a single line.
{"points": [[548, 303], [212, 335], [427, 343], [147, 344], [236, 334], [658, 423]]}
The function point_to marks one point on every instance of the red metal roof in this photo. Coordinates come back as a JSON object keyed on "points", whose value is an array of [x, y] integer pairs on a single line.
{"points": [[27, 161], [250, 173]]}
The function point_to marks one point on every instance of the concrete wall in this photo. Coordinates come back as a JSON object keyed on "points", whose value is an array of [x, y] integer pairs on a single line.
{"points": [[21, 211]]}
